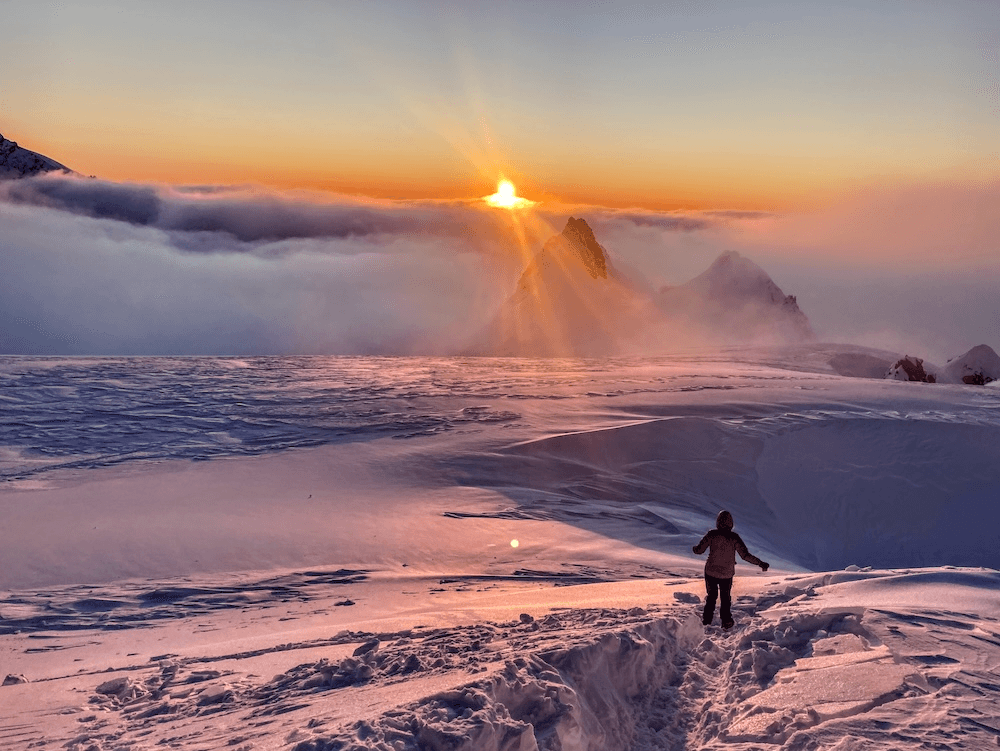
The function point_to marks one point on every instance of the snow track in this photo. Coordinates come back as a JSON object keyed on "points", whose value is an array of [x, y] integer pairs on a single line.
{"points": [[810, 666], [794, 681]]}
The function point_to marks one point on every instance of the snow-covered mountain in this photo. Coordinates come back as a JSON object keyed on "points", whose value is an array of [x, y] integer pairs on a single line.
{"points": [[18, 162], [736, 301]]}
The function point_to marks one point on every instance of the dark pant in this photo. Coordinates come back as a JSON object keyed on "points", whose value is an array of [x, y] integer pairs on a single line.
{"points": [[713, 586]]}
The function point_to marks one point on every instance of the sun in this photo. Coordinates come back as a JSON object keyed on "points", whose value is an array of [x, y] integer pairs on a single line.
{"points": [[506, 197]]}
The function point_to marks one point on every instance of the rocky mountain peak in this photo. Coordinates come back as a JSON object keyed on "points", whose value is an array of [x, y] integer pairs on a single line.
{"points": [[578, 235], [18, 162], [737, 299], [737, 272]]}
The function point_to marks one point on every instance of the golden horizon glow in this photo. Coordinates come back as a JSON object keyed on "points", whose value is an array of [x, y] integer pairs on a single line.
{"points": [[506, 197], [394, 103], [765, 186]]}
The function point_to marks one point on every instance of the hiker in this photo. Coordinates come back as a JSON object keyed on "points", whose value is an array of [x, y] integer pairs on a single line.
{"points": [[723, 544]]}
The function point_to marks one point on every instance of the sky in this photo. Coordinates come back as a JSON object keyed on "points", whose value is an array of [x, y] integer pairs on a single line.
{"points": [[303, 176], [759, 105]]}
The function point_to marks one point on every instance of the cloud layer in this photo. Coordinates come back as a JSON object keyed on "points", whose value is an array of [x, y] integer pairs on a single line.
{"points": [[244, 215], [96, 267]]}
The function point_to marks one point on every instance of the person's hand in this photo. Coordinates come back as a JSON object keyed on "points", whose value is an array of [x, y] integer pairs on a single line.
{"points": [[765, 566], [694, 548]]}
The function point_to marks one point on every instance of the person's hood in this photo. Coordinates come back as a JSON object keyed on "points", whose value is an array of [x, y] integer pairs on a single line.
{"points": [[724, 521]]}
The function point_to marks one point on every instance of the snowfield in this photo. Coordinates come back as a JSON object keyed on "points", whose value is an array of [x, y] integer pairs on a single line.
{"points": [[316, 553]]}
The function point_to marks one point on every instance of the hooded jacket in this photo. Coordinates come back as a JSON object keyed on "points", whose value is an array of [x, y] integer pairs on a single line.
{"points": [[723, 544]]}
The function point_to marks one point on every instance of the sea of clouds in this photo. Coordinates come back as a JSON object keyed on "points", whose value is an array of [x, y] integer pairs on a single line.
{"points": [[98, 267]]}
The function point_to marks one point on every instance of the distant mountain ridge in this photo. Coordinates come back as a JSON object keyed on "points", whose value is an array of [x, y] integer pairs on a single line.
{"points": [[571, 301], [739, 302], [18, 162]]}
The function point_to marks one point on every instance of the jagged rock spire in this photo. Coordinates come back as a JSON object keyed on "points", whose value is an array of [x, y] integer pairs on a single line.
{"points": [[580, 237]]}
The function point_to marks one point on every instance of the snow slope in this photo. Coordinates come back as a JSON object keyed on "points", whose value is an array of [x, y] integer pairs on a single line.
{"points": [[367, 593], [842, 660]]}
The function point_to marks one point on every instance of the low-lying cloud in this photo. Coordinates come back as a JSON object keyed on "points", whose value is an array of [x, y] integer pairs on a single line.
{"points": [[97, 267], [102, 268], [244, 214]]}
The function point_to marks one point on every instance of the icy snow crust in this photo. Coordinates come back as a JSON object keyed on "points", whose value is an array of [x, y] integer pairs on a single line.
{"points": [[822, 471], [339, 575]]}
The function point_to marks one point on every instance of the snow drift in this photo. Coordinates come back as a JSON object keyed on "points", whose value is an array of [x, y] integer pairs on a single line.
{"points": [[354, 587], [977, 367], [837, 660]]}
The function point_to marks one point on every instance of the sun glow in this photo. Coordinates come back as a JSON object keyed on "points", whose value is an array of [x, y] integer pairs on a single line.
{"points": [[506, 197]]}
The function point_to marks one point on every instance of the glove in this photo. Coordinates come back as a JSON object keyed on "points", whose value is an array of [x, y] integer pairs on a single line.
{"points": [[765, 566]]}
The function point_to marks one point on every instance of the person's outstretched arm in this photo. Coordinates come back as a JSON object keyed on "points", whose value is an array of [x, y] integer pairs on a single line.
{"points": [[702, 546], [749, 557]]}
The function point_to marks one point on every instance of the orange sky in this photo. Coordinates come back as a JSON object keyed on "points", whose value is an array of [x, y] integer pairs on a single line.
{"points": [[764, 106]]}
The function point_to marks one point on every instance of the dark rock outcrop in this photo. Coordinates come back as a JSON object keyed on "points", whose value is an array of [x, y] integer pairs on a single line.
{"points": [[976, 379], [911, 369]]}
